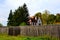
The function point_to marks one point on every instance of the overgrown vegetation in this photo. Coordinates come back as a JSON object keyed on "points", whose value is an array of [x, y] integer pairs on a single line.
{"points": [[47, 18], [6, 37]]}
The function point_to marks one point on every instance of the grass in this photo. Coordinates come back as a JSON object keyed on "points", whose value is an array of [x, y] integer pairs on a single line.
{"points": [[6, 37]]}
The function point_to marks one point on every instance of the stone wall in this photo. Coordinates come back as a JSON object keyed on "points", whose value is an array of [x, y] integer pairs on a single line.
{"points": [[52, 30]]}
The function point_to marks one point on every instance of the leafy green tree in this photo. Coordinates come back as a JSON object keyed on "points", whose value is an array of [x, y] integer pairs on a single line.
{"points": [[51, 19], [38, 14], [45, 16], [57, 17]]}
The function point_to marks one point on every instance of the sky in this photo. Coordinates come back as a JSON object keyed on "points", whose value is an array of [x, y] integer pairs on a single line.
{"points": [[34, 6]]}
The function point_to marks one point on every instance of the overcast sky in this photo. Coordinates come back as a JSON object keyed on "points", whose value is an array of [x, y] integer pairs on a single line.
{"points": [[33, 6]]}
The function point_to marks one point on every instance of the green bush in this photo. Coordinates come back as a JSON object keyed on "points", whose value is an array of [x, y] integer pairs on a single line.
{"points": [[23, 24]]}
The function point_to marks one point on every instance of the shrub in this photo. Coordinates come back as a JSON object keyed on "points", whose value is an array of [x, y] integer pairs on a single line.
{"points": [[23, 24]]}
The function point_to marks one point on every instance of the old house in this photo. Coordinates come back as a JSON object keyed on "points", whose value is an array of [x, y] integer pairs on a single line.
{"points": [[35, 21]]}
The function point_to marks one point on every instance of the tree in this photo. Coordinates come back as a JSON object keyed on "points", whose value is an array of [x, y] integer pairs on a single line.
{"points": [[26, 14], [38, 14], [57, 17], [51, 19], [45, 16], [1, 25], [19, 16], [10, 18]]}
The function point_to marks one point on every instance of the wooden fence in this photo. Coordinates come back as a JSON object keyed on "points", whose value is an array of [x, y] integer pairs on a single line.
{"points": [[52, 30]]}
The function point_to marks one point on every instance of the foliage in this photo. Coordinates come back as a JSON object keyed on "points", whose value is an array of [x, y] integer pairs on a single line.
{"points": [[45, 16], [23, 24], [1, 25], [38, 14], [20, 15], [10, 18], [48, 18], [51, 19], [6, 37], [57, 17]]}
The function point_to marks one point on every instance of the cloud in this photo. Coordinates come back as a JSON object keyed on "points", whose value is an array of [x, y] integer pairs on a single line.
{"points": [[3, 21]]}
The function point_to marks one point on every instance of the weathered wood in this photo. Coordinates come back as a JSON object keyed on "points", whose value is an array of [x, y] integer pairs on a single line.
{"points": [[14, 31], [51, 30]]}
